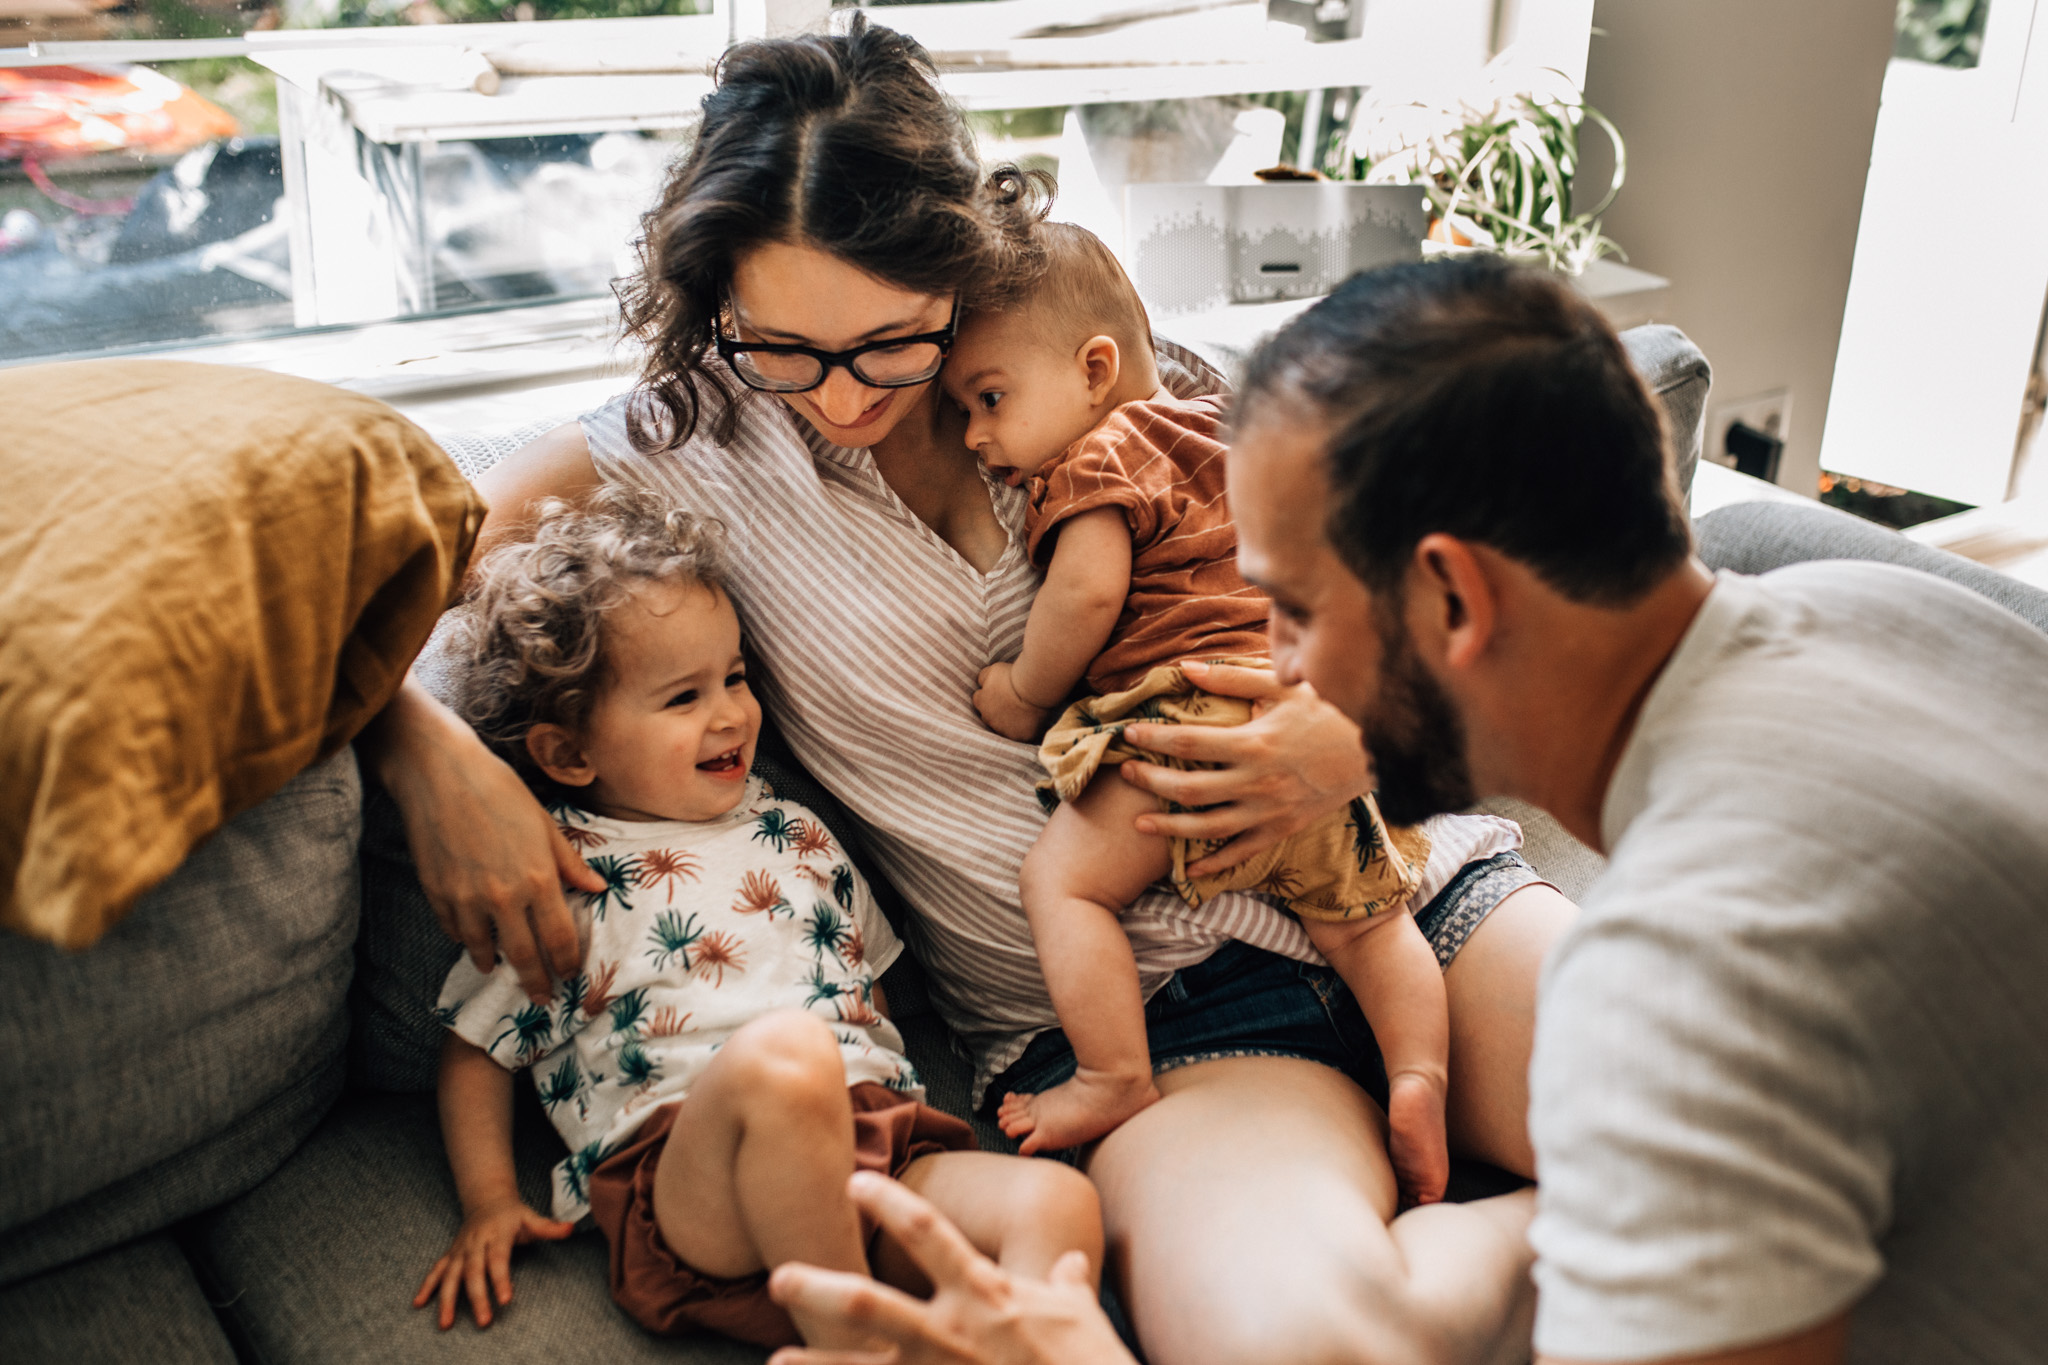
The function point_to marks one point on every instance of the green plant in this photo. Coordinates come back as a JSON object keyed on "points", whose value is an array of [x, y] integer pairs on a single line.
{"points": [[1942, 32], [1498, 163]]}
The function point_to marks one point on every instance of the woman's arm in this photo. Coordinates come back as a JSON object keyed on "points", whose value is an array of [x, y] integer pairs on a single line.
{"points": [[1071, 620], [1295, 762], [490, 859], [476, 1123]]}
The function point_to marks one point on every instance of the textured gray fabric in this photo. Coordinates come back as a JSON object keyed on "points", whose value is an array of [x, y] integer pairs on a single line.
{"points": [[319, 1263], [1756, 537], [176, 1063], [135, 1305], [1681, 378], [1563, 860]]}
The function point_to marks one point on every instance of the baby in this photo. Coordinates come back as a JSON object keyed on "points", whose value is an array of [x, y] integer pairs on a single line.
{"points": [[1128, 517], [723, 1063]]}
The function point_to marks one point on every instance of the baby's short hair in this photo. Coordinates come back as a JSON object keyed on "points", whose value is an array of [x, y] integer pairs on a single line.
{"points": [[1082, 292], [530, 637]]}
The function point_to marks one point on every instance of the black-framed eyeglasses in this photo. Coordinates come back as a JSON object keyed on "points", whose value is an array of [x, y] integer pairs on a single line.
{"points": [[893, 363]]}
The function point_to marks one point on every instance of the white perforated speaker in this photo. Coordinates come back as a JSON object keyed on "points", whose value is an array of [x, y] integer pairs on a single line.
{"points": [[1194, 247]]}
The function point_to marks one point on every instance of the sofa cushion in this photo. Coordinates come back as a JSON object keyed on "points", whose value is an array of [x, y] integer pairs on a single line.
{"points": [[138, 1304], [180, 1060], [319, 1263], [210, 577]]}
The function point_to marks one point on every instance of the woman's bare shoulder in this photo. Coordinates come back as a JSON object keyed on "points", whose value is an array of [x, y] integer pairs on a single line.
{"points": [[555, 464]]}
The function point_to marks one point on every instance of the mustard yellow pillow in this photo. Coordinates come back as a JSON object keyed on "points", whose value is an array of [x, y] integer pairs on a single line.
{"points": [[209, 578]]}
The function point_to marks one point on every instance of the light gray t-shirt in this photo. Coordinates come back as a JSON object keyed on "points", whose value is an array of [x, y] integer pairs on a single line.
{"points": [[1794, 1055]]}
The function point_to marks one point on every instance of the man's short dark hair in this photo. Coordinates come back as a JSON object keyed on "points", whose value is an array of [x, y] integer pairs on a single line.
{"points": [[1490, 402]]}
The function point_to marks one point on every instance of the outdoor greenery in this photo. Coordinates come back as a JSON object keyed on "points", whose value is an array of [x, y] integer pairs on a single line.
{"points": [[1941, 32]]}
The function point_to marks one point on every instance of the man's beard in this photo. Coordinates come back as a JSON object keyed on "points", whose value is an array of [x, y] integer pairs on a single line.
{"points": [[1416, 738]]}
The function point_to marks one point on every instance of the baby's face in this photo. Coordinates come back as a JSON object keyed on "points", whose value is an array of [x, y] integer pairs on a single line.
{"points": [[1026, 401], [672, 732]]}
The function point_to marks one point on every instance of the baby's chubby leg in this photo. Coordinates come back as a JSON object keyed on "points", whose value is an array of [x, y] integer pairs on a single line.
{"points": [[1090, 864], [1392, 970], [754, 1170]]}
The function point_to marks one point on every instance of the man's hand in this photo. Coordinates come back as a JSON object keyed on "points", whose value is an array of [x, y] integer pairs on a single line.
{"points": [[1002, 710], [979, 1314], [1297, 760]]}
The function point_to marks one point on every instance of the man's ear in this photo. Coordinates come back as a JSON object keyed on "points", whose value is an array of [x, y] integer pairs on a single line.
{"points": [[559, 755], [1453, 605], [1103, 365]]}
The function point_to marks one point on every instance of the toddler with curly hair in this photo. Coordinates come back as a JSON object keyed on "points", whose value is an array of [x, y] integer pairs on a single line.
{"points": [[724, 1061]]}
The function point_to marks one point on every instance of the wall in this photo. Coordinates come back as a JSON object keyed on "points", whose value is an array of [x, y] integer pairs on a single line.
{"points": [[1749, 126]]}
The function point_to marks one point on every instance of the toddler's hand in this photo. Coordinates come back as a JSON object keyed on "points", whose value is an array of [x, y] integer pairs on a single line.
{"points": [[1416, 1140], [1002, 710], [483, 1247]]}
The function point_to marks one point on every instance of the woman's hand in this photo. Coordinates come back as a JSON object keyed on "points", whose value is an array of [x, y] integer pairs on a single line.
{"points": [[1297, 760], [483, 1247], [491, 860], [978, 1314]]}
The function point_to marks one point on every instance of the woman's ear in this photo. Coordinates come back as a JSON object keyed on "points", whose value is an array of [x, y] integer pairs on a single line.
{"points": [[1102, 365], [559, 755]]}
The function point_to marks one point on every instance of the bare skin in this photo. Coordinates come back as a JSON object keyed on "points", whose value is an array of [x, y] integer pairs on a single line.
{"points": [[1278, 773]]}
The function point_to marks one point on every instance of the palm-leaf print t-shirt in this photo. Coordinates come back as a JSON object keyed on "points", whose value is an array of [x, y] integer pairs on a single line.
{"points": [[701, 929]]}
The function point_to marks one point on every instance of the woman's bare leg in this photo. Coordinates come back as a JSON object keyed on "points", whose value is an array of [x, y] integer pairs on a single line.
{"points": [[1492, 988], [1246, 1211], [1247, 1219]]}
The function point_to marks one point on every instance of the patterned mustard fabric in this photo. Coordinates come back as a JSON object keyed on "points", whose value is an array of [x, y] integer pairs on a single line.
{"points": [[1348, 865], [209, 578]]}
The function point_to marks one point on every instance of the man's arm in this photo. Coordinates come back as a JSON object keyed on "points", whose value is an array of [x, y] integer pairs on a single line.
{"points": [[1071, 620], [1822, 1345]]}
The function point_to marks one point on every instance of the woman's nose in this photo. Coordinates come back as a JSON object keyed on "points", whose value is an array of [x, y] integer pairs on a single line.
{"points": [[842, 398]]}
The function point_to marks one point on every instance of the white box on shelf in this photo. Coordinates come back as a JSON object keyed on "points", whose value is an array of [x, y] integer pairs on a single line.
{"points": [[1195, 247]]}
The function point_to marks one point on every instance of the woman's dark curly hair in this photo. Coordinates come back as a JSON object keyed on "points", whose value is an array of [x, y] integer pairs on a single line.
{"points": [[843, 142], [530, 638]]}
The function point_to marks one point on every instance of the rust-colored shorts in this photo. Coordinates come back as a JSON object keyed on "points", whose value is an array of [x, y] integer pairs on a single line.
{"points": [[663, 1293]]}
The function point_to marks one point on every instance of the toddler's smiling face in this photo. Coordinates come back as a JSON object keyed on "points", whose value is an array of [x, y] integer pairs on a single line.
{"points": [[671, 734]]}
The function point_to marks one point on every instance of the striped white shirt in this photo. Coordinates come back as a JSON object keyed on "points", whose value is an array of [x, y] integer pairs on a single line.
{"points": [[871, 631]]}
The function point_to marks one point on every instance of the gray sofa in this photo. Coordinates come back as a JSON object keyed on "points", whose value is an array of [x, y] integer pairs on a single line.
{"points": [[221, 1143]]}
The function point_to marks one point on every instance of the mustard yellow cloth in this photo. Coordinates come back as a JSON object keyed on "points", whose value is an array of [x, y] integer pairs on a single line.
{"points": [[1348, 865], [209, 578]]}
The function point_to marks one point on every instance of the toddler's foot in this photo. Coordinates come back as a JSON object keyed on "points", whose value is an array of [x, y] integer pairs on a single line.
{"points": [[1076, 1111], [1415, 1136]]}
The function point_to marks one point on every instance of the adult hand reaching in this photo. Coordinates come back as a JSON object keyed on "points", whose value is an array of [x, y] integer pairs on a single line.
{"points": [[491, 860], [1294, 762], [979, 1314]]}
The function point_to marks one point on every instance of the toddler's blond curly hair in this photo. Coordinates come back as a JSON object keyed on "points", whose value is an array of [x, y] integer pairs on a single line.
{"points": [[530, 634]]}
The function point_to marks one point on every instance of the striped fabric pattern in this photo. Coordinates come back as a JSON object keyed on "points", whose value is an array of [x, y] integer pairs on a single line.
{"points": [[870, 631]]}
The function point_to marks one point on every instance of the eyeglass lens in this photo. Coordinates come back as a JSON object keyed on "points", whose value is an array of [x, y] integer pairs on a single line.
{"points": [[889, 366]]}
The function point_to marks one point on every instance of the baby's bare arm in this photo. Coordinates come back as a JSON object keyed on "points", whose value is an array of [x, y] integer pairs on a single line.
{"points": [[1085, 587]]}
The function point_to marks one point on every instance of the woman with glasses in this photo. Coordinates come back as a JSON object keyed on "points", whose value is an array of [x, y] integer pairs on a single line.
{"points": [[801, 278]]}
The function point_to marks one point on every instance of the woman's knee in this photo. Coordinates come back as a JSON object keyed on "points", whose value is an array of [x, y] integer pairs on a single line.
{"points": [[1046, 1195]]}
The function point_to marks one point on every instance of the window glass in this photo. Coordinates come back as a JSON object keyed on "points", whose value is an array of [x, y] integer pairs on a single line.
{"points": [[1942, 32]]}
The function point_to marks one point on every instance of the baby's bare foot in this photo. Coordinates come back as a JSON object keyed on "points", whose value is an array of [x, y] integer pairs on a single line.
{"points": [[1415, 1136], [1080, 1110]]}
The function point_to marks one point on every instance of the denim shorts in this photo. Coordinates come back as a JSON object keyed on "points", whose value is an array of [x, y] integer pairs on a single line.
{"points": [[1247, 1002]]}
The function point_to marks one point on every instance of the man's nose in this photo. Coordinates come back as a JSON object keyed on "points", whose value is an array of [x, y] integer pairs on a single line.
{"points": [[842, 398]]}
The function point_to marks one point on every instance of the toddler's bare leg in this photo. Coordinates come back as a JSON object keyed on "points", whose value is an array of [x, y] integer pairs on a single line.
{"points": [[1085, 869], [1394, 973], [754, 1170], [1024, 1215]]}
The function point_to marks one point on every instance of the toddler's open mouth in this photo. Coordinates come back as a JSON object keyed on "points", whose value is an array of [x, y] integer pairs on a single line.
{"points": [[728, 765]]}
